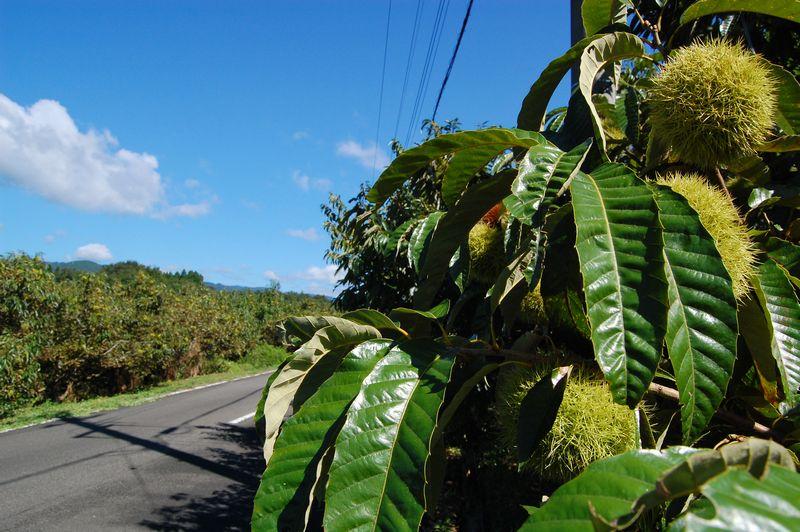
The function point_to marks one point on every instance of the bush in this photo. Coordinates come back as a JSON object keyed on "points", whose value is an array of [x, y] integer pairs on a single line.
{"points": [[70, 336]]}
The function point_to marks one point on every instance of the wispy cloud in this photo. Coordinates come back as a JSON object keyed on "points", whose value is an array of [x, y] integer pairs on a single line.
{"points": [[367, 155], [250, 204], [94, 251], [269, 275], [42, 150], [191, 183], [190, 210], [300, 135], [55, 235], [306, 183], [311, 234], [325, 274]]}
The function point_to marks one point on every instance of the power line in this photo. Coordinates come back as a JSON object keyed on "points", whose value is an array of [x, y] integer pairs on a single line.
{"points": [[411, 47], [436, 51], [452, 59], [380, 94], [427, 68]]}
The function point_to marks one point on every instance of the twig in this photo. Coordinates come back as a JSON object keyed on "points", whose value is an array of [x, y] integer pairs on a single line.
{"points": [[730, 417], [521, 356], [722, 184], [654, 29]]}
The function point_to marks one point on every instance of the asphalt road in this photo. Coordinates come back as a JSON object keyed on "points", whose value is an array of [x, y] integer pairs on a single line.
{"points": [[184, 462]]}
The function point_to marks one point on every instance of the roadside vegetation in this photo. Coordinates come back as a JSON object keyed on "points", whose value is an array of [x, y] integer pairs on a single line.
{"points": [[68, 336], [588, 322]]}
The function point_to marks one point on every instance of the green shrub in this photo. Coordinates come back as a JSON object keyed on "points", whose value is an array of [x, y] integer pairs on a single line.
{"points": [[74, 336]]}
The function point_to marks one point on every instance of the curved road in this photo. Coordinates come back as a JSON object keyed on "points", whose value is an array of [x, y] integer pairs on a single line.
{"points": [[189, 461]]}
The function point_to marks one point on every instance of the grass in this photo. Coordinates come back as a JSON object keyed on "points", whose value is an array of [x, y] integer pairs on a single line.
{"points": [[260, 359]]}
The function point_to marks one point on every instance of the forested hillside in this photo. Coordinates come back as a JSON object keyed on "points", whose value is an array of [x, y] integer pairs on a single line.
{"points": [[67, 334]]}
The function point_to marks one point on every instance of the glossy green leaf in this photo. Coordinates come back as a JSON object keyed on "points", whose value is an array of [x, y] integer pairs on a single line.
{"points": [[782, 309], [258, 418], [535, 103], [754, 456], [598, 14], [538, 411], [335, 337], [420, 238], [620, 247], [380, 321], [701, 323], [377, 478], [752, 168], [464, 390], [743, 502], [787, 9], [600, 52], [781, 144], [787, 110], [304, 327], [413, 160], [627, 114], [466, 163], [452, 230], [394, 238], [434, 314], [285, 491], [610, 486], [541, 174], [786, 255], [561, 284], [756, 334], [511, 277]]}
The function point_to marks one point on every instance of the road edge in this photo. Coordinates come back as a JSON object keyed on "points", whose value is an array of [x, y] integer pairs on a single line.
{"points": [[144, 401]]}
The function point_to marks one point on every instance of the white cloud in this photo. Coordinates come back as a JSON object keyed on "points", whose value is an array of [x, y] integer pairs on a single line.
{"points": [[311, 234], [192, 210], [96, 252], [306, 183], [43, 151], [366, 155], [326, 274], [269, 275], [300, 135], [191, 183]]}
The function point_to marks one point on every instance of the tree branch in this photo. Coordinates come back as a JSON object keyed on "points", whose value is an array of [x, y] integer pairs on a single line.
{"points": [[729, 417]]}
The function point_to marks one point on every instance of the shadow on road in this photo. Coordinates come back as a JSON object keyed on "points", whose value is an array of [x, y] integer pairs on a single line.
{"points": [[224, 509]]}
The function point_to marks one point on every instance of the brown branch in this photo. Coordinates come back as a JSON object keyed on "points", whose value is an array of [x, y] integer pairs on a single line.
{"points": [[729, 417], [722, 184], [519, 356]]}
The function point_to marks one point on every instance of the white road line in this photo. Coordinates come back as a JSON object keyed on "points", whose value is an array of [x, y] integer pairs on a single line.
{"points": [[240, 419], [203, 386], [146, 401]]}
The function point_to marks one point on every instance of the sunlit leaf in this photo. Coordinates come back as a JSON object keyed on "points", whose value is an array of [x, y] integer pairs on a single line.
{"points": [[701, 323], [600, 52], [376, 480], [620, 246]]}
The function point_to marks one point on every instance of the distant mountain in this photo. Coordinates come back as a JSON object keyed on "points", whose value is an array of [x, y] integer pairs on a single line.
{"points": [[93, 267], [233, 288], [77, 265]]}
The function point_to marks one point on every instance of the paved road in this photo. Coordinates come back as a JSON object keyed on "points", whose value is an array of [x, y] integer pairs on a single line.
{"points": [[179, 463]]}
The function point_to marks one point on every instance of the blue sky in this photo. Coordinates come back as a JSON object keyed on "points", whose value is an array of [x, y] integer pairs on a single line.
{"points": [[205, 135]]}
